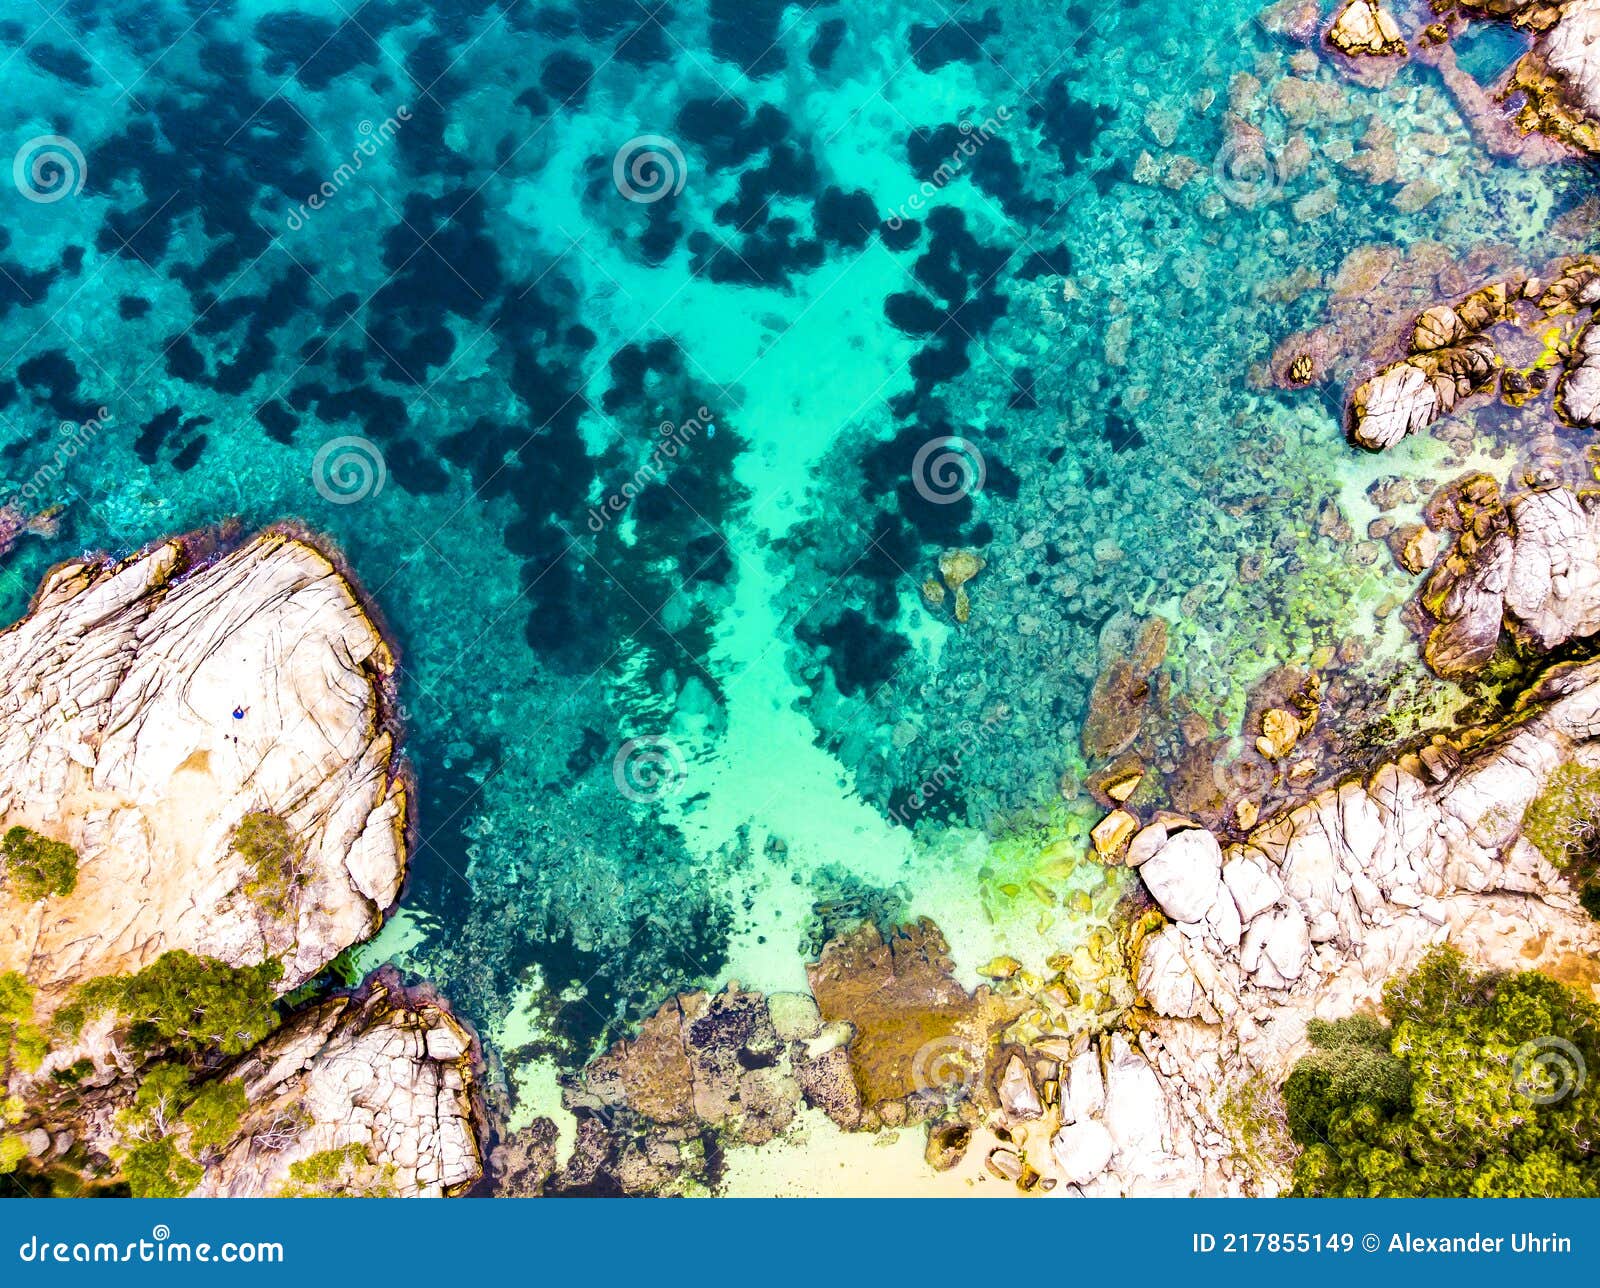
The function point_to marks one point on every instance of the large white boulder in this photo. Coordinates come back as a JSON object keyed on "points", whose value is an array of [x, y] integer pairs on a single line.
{"points": [[145, 708], [1082, 1150], [1182, 875]]}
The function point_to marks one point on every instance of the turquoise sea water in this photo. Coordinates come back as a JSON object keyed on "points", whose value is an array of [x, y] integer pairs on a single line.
{"points": [[643, 358]]}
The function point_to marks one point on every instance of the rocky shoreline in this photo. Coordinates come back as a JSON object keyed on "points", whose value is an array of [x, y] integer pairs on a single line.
{"points": [[161, 715], [1290, 905]]}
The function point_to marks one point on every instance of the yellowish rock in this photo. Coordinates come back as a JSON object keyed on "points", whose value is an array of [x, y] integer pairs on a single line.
{"points": [[1366, 28], [958, 567], [1000, 968], [1280, 731], [1247, 812], [1112, 833], [1124, 785]]}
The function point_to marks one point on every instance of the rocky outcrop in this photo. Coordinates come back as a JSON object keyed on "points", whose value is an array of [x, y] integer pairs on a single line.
{"points": [[1559, 78], [1353, 886], [147, 706], [1453, 354], [1578, 394], [1532, 563], [386, 1075], [1365, 28], [1450, 360]]}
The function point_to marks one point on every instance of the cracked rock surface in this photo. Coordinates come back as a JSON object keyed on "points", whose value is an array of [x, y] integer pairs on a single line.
{"points": [[118, 735]]}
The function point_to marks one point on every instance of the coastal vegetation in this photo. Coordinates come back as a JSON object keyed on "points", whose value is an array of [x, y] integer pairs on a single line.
{"points": [[37, 867], [173, 1128], [1472, 1084], [347, 1173], [1564, 823], [276, 857], [184, 1005]]}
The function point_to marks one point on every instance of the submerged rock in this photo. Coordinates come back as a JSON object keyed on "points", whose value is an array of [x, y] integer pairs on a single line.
{"points": [[1130, 652]]}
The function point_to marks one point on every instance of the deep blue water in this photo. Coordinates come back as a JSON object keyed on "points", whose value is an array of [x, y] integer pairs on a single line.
{"points": [[643, 358]]}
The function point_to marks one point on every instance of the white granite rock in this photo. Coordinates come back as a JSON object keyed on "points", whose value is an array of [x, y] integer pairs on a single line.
{"points": [[1183, 875], [389, 1073], [118, 735], [1081, 1151]]}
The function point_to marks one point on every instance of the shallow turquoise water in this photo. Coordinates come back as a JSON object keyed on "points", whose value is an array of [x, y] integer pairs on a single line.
{"points": [[662, 704]]}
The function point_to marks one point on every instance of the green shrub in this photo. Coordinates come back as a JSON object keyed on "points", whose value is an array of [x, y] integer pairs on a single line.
{"points": [[1564, 820], [22, 1045], [156, 1169], [183, 1004], [36, 866], [1255, 1117], [173, 1128], [1478, 1086], [12, 1152], [276, 858], [346, 1173]]}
